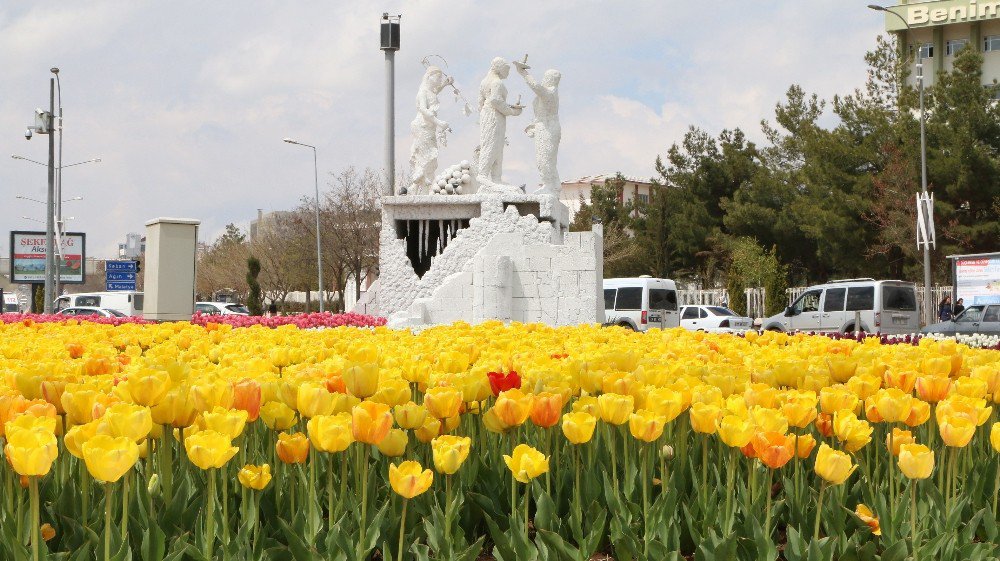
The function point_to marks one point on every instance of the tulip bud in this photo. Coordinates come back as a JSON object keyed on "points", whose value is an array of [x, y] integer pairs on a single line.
{"points": [[667, 452], [154, 485]]}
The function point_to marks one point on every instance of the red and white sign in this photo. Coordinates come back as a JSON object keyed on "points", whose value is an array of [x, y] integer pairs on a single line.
{"points": [[28, 255]]}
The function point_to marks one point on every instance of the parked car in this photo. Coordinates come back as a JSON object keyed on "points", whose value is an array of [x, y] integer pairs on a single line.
{"points": [[885, 306], [717, 319], [980, 318], [78, 311], [221, 309], [641, 303], [129, 303], [10, 304]]}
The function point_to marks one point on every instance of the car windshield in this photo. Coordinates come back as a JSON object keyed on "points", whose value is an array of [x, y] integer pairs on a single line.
{"points": [[116, 313], [972, 313], [720, 311], [238, 308]]}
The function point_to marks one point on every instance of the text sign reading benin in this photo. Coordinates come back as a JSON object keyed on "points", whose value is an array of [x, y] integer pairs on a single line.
{"points": [[28, 256]]}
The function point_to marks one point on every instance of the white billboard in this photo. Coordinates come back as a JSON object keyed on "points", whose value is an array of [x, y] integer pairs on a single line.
{"points": [[977, 279], [27, 257]]}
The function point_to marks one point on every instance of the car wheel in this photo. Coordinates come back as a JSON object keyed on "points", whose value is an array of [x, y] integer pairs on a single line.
{"points": [[626, 325]]}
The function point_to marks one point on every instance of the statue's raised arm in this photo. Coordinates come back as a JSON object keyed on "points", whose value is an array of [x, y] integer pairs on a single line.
{"points": [[545, 129]]}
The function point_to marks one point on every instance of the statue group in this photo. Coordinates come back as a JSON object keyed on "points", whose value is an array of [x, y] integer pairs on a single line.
{"points": [[430, 132]]}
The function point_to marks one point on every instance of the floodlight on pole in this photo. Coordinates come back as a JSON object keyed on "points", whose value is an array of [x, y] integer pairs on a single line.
{"points": [[319, 243]]}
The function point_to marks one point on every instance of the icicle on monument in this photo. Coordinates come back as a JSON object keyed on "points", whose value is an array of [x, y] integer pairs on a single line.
{"points": [[460, 244]]}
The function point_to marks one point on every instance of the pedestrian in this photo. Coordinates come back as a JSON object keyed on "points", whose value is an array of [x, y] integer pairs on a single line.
{"points": [[944, 309], [959, 308], [272, 310]]}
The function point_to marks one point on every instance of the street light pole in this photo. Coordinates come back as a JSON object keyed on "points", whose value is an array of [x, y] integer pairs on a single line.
{"points": [[50, 218], [319, 246], [59, 219], [928, 296], [390, 44]]}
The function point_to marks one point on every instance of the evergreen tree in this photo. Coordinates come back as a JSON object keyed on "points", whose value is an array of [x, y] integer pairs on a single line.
{"points": [[254, 299]]}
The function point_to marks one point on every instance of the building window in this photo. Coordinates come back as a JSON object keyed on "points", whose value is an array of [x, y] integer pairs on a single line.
{"points": [[954, 46], [925, 51], [643, 198], [991, 43]]}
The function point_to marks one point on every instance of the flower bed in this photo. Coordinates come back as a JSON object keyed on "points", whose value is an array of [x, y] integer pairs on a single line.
{"points": [[180, 440], [303, 321]]}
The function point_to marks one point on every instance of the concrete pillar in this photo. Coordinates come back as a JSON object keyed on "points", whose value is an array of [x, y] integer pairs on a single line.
{"points": [[171, 251], [493, 282]]}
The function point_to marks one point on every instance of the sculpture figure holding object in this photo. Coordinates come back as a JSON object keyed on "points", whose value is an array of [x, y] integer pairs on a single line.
{"points": [[428, 131], [545, 129], [493, 113]]}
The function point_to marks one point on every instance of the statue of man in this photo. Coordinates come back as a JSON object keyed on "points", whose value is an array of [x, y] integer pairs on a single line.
{"points": [[545, 129], [493, 113], [428, 131]]}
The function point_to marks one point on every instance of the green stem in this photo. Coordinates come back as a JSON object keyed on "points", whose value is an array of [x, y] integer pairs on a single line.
{"points": [[35, 517], [730, 482], [125, 503], [84, 494], [704, 470], [107, 522], [644, 458], [329, 493], [210, 515], [313, 458], [996, 492], [527, 501], [767, 505], [402, 531], [166, 469], [819, 510], [576, 479], [343, 482], [913, 517], [225, 513], [614, 457], [892, 483], [447, 512], [364, 502], [513, 497]]}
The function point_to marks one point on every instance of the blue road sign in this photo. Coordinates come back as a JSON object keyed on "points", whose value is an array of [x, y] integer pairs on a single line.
{"points": [[126, 285], [120, 277], [120, 267]]}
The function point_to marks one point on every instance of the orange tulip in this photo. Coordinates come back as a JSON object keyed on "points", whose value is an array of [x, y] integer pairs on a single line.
{"points": [[292, 448], [370, 422], [546, 409], [774, 449]]}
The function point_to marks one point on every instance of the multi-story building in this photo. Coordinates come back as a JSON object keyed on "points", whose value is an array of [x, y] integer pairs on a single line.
{"points": [[575, 191], [936, 30], [134, 246]]}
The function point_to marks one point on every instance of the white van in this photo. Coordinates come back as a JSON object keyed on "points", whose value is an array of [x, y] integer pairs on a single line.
{"points": [[641, 303], [126, 302], [885, 306]]}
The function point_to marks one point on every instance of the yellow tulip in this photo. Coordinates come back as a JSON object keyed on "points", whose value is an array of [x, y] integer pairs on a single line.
{"points": [[450, 452], [432, 429], [512, 407], [526, 463], [868, 517], [735, 431], [277, 416], [393, 392], [646, 425], [394, 443], [229, 422], [578, 427], [31, 451], [255, 477], [330, 433], [799, 409], [586, 404], [615, 408], [805, 444], [208, 394], [149, 387], [898, 438], [176, 409], [443, 401], [854, 433], [833, 465], [79, 405], [995, 436], [125, 419], [920, 412], [77, 436], [893, 405], [209, 449], [410, 415], [970, 387], [409, 479], [916, 461], [704, 417], [864, 385], [836, 398], [768, 420], [292, 448], [933, 388], [108, 459], [957, 431], [370, 422], [665, 402], [313, 399], [361, 379]]}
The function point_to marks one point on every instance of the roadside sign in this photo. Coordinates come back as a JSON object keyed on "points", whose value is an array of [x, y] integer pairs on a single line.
{"points": [[28, 254], [124, 285], [121, 277], [119, 267]]}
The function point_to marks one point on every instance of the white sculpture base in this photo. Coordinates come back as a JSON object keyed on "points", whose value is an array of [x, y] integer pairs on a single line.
{"points": [[479, 257]]}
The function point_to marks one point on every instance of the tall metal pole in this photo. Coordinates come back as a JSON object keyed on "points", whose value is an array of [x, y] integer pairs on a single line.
{"points": [[319, 246], [59, 170], [390, 121], [928, 296], [50, 251]]}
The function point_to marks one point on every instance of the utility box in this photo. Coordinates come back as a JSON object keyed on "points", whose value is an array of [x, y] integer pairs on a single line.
{"points": [[171, 248]]}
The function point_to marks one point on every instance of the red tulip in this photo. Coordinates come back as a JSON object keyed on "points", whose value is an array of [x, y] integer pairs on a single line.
{"points": [[500, 382]]}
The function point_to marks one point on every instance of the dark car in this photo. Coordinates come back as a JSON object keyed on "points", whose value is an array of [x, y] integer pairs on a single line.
{"points": [[982, 318]]}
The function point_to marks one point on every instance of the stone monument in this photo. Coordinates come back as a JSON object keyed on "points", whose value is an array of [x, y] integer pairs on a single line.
{"points": [[488, 250]]}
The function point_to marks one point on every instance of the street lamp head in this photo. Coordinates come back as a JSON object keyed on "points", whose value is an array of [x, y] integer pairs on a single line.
{"points": [[289, 140], [54, 70], [27, 134], [877, 8]]}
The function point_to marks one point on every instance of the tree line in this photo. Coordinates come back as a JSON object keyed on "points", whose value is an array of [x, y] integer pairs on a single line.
{"points": [[816, 201]]}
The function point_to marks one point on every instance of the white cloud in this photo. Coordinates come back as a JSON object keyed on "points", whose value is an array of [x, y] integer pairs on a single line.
{"points": [[187, 102]]}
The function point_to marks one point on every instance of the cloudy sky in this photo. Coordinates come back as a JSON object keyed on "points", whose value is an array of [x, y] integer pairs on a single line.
{"points": [[187, 101]]}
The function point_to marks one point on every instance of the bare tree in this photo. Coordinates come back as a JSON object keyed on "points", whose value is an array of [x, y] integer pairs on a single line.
{"points": [[286, 249], [222, 266]]}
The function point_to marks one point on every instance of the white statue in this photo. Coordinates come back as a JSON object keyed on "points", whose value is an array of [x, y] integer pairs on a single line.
{"points": [[545, 129], [428, 131], [493, 113]]}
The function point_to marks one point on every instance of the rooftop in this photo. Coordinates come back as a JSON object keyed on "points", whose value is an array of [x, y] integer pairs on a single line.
{"points": [[606, 177]]}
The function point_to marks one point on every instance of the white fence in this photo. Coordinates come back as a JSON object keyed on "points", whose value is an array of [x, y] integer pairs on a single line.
{"points": [[757, 299]]}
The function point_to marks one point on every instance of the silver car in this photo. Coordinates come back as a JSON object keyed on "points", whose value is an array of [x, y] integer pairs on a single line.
{"points": [[982, 318]]}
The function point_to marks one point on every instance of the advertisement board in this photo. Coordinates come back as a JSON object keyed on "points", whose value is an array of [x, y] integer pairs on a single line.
{"points": [[977, 279], [27, 257]]}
